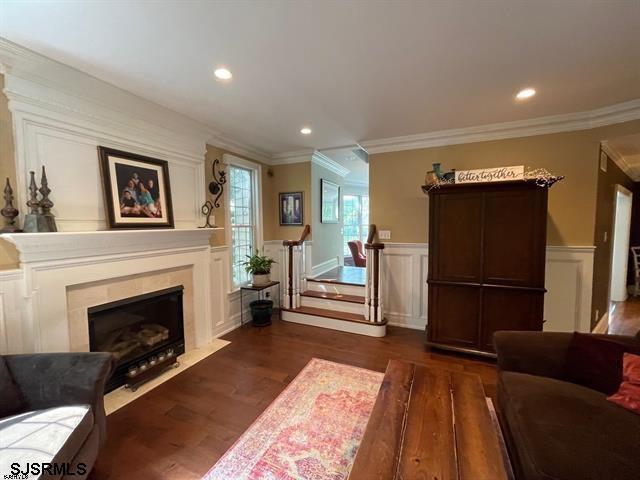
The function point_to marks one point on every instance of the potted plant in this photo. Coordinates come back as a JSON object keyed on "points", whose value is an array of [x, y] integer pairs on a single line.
{"points": [[259, 266]]}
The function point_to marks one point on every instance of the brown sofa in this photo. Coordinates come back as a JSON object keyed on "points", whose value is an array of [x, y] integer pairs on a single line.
{"points": [[555, 429]]}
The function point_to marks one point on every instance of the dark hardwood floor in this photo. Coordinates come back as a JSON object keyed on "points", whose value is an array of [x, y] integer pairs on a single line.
{"points": [[181, 428], [624, 317]]}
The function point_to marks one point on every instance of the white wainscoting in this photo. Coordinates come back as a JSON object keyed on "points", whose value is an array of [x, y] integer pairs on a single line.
{"points": [[60, 117], [569, 274], [11, 315]]}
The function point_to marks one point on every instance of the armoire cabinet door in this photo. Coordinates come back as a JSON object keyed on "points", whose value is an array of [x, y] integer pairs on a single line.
{"points": [[514, 237], [454, 312], [456, 237], [509, 309]]}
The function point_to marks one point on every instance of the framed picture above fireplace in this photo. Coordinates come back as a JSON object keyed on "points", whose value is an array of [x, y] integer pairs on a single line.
{"points": [[137, 191]]}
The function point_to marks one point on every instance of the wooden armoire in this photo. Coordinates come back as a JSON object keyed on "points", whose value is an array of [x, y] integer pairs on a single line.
{"points": [[487, 245]]}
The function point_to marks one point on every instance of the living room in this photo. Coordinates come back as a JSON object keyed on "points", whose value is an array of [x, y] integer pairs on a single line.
{"points": [[178, 296]]}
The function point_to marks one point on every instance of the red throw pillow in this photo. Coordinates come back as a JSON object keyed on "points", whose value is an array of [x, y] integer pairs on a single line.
{"points": [[596, 362], [628, 395]]}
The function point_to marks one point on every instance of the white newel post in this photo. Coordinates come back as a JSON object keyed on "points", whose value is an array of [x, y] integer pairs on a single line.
{"points": [[373, 283]]}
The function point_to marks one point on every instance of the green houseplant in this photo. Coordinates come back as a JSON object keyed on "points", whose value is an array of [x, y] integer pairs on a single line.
{"points": [[260, 267]]}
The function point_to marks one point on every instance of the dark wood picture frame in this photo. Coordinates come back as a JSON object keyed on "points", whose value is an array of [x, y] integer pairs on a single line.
{"points": [[158, 169], [294, 223], [323, 219]]}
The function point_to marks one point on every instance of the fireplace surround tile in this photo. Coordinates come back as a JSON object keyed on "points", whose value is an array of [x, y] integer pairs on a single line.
{"points": [[81, 297]]}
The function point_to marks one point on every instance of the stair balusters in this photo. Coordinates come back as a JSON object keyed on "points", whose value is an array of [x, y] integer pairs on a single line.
{"points": [[293, 269]]}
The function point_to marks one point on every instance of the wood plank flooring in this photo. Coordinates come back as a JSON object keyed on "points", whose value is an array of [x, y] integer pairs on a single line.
{"points": [[181, 428], [624, 317]]}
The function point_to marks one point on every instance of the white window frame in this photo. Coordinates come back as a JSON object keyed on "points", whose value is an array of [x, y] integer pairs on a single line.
{"points": [[256, 169]]}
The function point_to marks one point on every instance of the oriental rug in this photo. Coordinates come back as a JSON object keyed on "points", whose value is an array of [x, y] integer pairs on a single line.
{"points": [[310, 432]]}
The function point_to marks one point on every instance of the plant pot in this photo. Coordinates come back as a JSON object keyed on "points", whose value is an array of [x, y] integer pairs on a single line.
{"points": [[261, 311], [261, 279]]}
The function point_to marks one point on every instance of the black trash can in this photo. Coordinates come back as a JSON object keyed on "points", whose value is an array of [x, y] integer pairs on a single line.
{"points": [[261, 311]]}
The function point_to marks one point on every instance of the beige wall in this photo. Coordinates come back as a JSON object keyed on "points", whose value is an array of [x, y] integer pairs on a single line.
{"points": [[8, 253], [398, 204], [294, 177]]}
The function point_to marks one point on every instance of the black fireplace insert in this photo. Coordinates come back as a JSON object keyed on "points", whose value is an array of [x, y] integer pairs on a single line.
{"points": [[141, 332]]}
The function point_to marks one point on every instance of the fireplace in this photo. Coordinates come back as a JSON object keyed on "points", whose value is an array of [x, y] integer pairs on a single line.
{"points": [[145, 333]]}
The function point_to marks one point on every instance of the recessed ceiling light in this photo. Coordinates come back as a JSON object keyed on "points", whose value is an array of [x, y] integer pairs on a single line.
{"points": [[223, 73], [305, 131], [526, 93]]}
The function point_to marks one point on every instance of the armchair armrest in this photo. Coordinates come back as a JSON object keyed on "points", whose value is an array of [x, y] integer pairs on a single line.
{"points": [[535, 353], [57, 379]]}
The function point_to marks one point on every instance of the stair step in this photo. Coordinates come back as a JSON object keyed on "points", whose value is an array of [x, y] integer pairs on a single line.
{"points": [[334, 296], [333, 281], [322, 312]]}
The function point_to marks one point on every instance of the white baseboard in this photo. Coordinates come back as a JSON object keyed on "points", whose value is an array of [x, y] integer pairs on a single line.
{"points": [[324, 267]]}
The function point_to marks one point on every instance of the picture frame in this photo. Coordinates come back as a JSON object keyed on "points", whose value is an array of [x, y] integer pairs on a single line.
{"points": [[291, 205], [137, 191], [329, 202]]}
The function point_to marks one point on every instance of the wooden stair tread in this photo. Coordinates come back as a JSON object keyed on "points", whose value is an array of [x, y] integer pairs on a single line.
{"points": [[323, 312], [334, 296], [334, 282]]}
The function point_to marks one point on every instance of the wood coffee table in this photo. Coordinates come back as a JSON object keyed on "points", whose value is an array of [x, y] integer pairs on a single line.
{"points": [[429, 423]]}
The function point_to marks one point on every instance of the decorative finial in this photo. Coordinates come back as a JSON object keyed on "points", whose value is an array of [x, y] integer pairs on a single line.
{"points": [[9, 212], [44, 190], [33, 202]]}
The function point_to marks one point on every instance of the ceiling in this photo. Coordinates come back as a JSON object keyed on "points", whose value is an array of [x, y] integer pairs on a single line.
{"points": [[352, 71]]}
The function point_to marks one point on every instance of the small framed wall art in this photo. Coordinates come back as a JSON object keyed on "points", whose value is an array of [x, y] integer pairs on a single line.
{"points": [[291, 208], [137, 191]]}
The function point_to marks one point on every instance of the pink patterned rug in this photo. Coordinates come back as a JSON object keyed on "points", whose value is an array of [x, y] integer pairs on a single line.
{"points": [[310, 432]]}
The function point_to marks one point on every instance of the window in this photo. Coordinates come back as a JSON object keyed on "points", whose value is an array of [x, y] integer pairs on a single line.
{"points": [[243, 218], [355, 210]]}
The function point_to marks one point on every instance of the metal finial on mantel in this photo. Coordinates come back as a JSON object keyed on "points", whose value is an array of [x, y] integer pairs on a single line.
{"points": [[46, 204], [9, 212]]}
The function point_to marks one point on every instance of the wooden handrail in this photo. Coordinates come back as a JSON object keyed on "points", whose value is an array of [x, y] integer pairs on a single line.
{"points": [[305, 233]]}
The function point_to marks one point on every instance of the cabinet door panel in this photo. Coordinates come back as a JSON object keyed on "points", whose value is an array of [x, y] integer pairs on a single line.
{"points": [[454, 315], [509, 309], [514, 237], [456, 225]]}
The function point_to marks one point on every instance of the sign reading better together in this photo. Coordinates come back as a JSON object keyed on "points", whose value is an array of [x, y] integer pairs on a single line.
{"points": [[498, 174]]}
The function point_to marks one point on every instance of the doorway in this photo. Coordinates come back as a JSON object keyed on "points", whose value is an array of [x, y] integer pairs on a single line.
{"points": [[620, 244]]}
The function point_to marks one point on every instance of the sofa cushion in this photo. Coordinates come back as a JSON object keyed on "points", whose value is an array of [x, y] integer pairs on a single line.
{"points": [[596, 362], [11, 400], [628, 395], [44, 436], [560, 430]]}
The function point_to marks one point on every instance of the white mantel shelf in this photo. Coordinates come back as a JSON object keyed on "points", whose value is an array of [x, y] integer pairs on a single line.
{"points": [[57, 246]]}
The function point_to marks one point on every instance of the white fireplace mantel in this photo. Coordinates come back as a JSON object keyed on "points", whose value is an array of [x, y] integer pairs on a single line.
{"points": [[59, 246]]}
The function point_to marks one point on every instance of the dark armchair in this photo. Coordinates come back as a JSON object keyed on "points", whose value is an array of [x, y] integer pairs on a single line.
{"points": [[62, 395]]}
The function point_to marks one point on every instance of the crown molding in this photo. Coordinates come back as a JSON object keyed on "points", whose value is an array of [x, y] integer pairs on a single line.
{"points": [[620, 161], [322, 160], [295, 156], [220, 140], [621, 112]]}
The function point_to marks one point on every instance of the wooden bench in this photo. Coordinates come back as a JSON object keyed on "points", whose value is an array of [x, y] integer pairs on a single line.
{"points": [[429, 423]]}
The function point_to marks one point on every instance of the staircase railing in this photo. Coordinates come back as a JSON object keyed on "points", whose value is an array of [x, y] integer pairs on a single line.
{"points": [[293, 269], [373, 310]]}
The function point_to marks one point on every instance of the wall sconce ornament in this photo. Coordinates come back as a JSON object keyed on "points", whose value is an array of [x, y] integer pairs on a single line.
{"points": [[216, 186], [9, 212]]}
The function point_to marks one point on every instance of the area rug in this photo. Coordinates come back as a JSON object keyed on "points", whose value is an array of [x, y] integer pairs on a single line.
{"points": [[310, 432]]}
